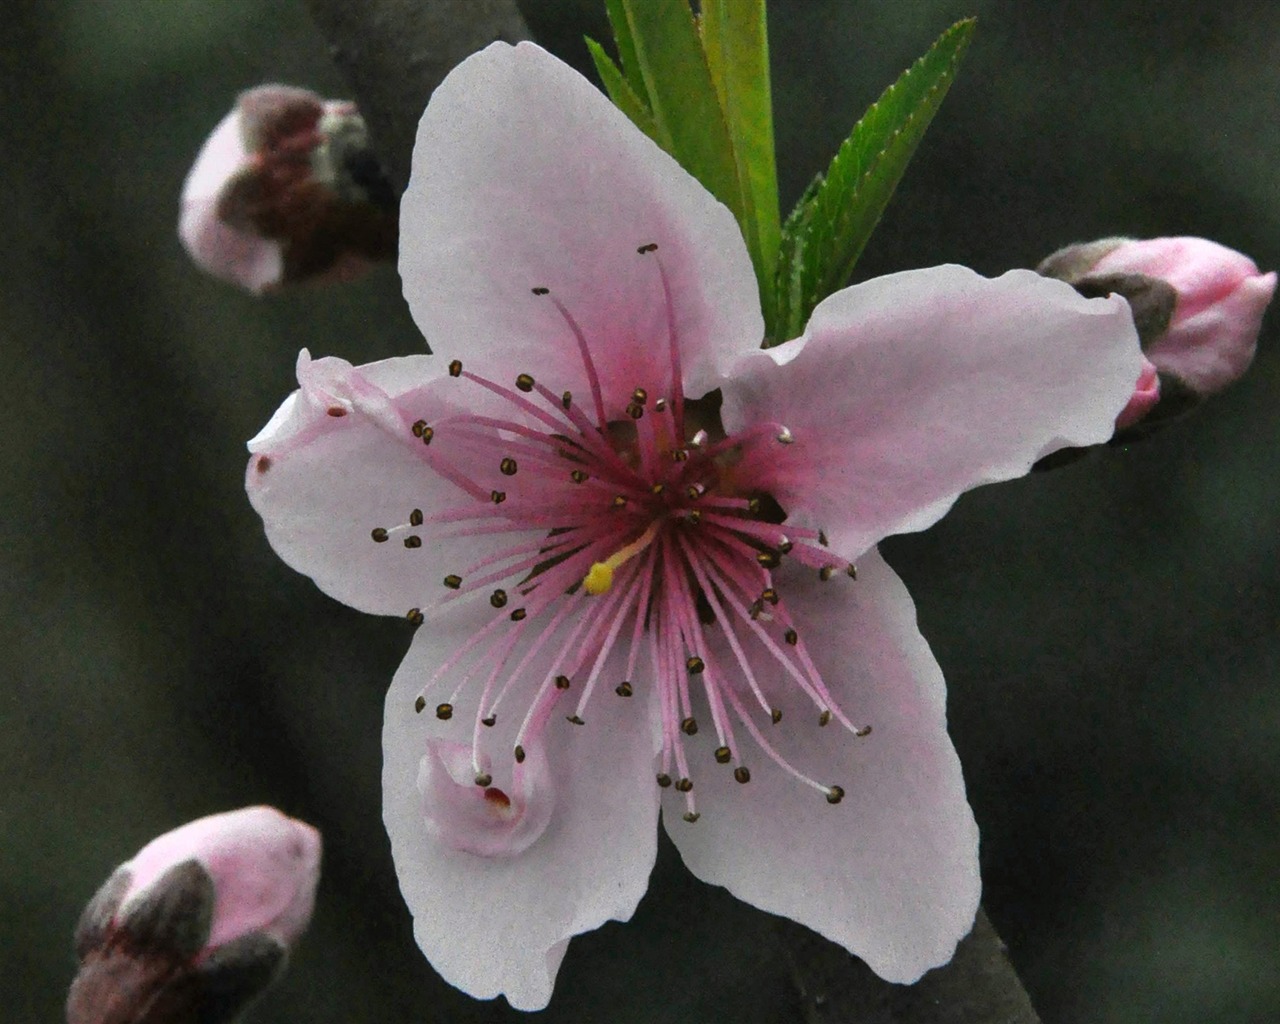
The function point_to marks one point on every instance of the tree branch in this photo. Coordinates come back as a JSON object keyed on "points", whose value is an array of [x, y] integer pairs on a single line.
{"points": [[394, 53]]}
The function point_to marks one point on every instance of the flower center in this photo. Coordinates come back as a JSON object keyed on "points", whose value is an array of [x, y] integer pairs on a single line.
{"points": [[630, 533]]}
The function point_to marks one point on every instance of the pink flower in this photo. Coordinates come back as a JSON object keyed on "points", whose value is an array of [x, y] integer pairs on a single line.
{"points": [[282, 192], [199, 920], [629, 536]]}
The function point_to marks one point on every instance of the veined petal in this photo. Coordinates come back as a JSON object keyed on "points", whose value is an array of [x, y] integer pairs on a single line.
{"points": [[891, 871], [525, 176], [500, 923], [908, 389], [341, 459]]}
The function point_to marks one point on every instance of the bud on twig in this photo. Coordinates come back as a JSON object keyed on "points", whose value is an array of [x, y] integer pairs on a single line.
{"points": [[287, 190], [1197, 306], [198, 923]]}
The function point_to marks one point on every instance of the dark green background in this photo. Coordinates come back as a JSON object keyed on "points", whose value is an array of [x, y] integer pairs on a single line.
{"points": [[1109, 631]]}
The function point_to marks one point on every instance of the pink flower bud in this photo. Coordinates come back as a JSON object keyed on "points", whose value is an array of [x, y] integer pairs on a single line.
{"points": [[1197, 304], [198, 923], [286, 190], [1145, 396]]}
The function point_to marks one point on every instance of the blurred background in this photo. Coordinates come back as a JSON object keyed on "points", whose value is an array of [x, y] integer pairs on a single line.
{"points": [[1109, 630]]}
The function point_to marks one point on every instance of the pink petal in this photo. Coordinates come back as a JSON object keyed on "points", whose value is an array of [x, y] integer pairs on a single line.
{"points": [[339, 459], [236, 256], [264, 867], [500, 924], [906, 390], [891, 872], [525, 176]]}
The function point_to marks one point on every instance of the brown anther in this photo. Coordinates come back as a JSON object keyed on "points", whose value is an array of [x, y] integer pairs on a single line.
{"points": [[566, 399], [455, 368], [784, 436], [578, 476], [698, 439], [419, 704], [770, 594], [484, 779], [695, 491], [660, 405], [824, 718], [640, 396], [753, 505], [864, 730], [497, 497], [519, 752], [684, 785], [379, 535], [851, 571], [524, 382], [658, 489], [453, 581], [769, 559], [413, 541], [648, 247], [562, 682], [415, 616], [691, 816], [741, 774], [689, 726], [418, 428], [664, 780], [756, 608], [775, 715], [415, 517], [694, 664], [540, 291], [635, 410], [785, 545], [427, 434], [680, 455], [822, 538], [694, 517], [498, 598], [574, 719], [444, 712], [518, 615], [723, 754], [623, 689], [791, 637], [834, 794], [826, 572], [489, 722], [336, 411], [507, 467], [619, 501]]}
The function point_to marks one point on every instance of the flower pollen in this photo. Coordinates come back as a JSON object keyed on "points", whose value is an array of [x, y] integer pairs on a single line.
{"points": [[629, 533]]}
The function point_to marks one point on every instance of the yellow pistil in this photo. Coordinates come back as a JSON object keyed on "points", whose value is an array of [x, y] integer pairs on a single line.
{"points": [[599, 577]]}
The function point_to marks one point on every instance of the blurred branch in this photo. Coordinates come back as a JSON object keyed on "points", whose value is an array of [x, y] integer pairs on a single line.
{"points": [[978, 986], [395, 52]]}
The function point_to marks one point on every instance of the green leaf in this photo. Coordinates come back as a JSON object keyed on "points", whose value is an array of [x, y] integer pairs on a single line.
{"points": [[616, 9], [788, 283], [683, 98], [735, 39], [620, 91], [864, 173]]}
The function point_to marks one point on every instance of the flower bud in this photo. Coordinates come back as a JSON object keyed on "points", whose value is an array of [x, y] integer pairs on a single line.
{"points": [[198, 923], [287, 190], [1197, 306]]}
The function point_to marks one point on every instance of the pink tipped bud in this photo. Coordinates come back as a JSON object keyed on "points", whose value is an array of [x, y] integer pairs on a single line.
{"points": [[198, 923], [1198, 307], [287, 190]]}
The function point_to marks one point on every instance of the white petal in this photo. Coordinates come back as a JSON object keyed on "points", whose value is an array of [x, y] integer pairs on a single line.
{"points": [[891, 872], [526, 176], [909, 389], [500, 924]]}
